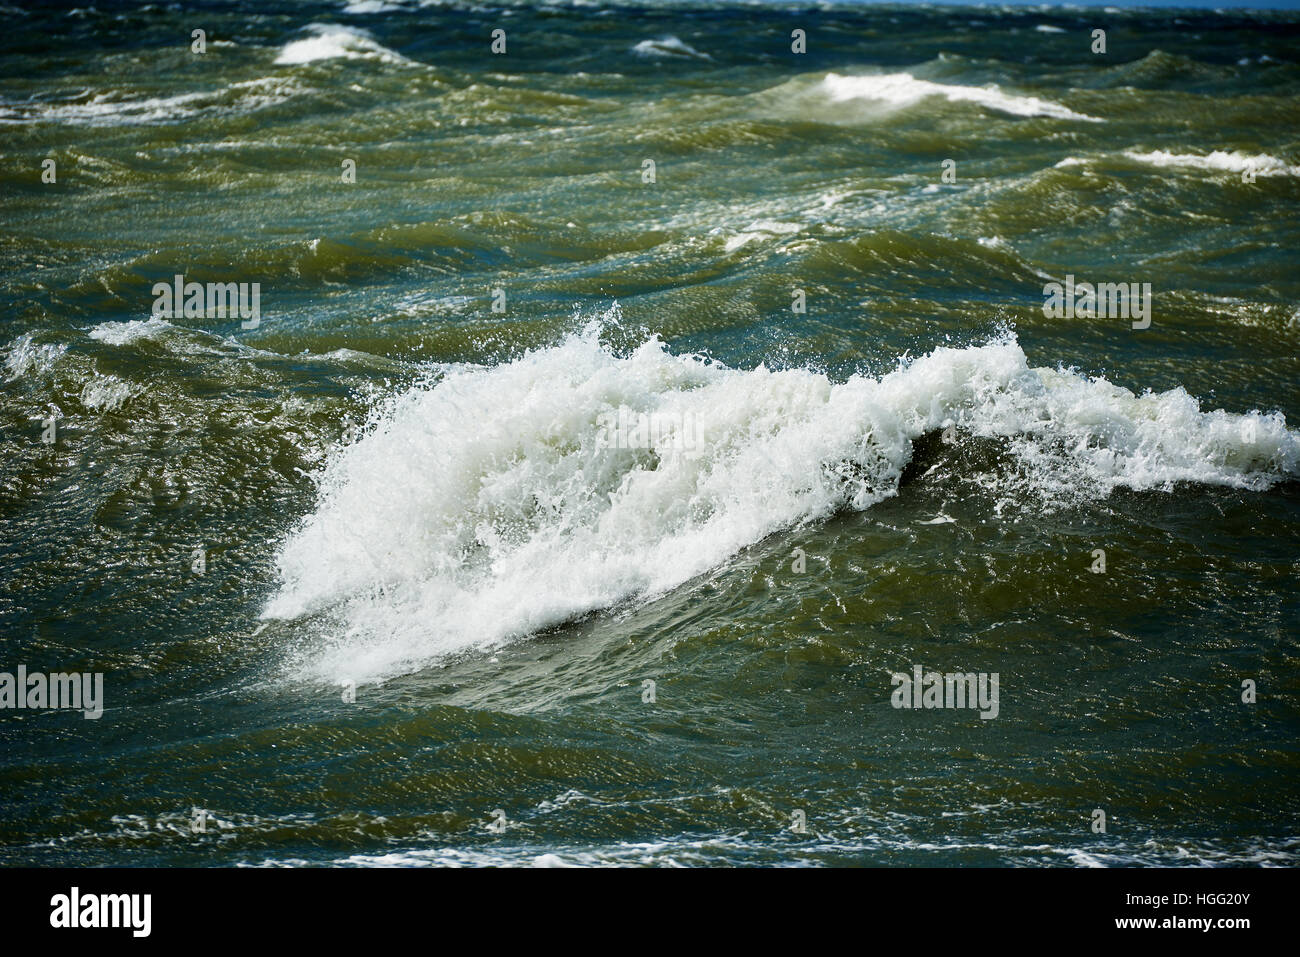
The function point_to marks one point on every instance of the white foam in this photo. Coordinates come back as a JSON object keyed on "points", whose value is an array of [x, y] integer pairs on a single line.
{"points": [[372, 6], [1218, 161], [109, 109], [106, 393], [25, 356], [328, 41], [668, 46], [486, 507], [901, 90], [761, 229], [133, 330]]}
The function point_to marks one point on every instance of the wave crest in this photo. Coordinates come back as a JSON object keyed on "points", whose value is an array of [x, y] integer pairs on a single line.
{"points": [[902, 90], [486, 506]]}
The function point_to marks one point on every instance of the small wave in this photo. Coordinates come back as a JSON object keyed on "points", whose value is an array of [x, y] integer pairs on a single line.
{"points": [[26, 356], [124, 333], [372, 6], [486, 507], [668, 46], [110, 109], [760, 230], [902, 90], [1160, 69], [106, 393], [1218, 161], [330, 41]]}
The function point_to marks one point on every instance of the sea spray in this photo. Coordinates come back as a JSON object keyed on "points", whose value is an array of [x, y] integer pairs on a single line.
{"points": [[492, 504]]}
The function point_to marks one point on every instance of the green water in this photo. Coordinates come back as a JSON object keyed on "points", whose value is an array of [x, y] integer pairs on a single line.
{"points": [[506, 672]]}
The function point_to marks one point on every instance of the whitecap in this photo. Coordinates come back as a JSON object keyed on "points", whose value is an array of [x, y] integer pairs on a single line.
{"points": [[133, 330], [1219, 161], [669, 46], [106, 393], [329, 41], [902, 90], [112, 109], [25, 357], [485, 507]]}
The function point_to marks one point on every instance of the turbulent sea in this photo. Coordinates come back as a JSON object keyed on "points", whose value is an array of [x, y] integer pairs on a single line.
{"points": [[871, 448]]}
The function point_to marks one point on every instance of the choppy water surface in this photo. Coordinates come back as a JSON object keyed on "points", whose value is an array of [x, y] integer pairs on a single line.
{"points": [[396, 487]]}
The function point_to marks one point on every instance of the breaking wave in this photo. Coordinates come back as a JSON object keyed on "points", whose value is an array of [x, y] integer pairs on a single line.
{"points": [[1217, 161], [116, 108], [669, 46], [489, 504], [328, 41], [902, 90]]}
